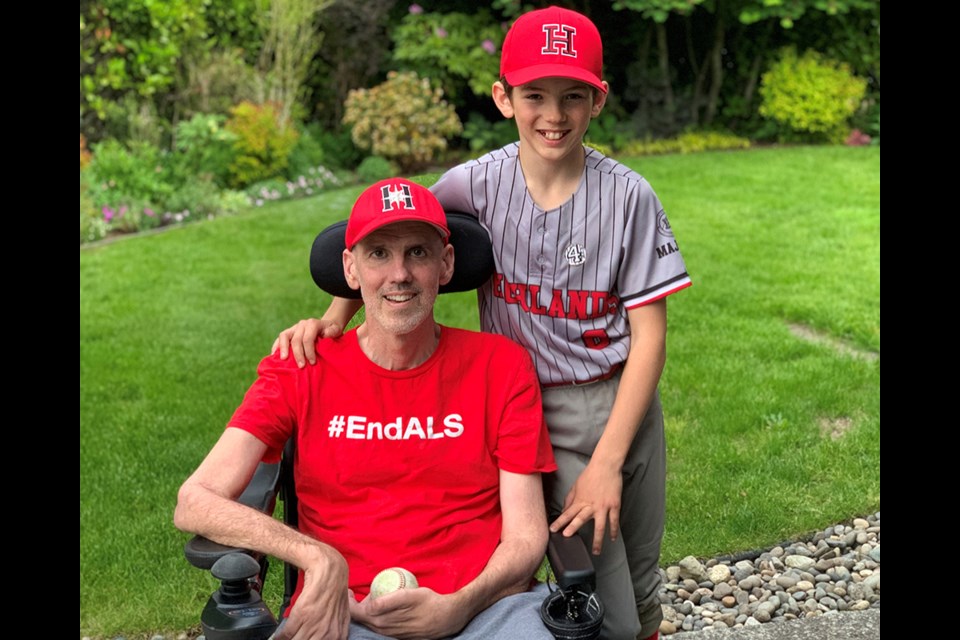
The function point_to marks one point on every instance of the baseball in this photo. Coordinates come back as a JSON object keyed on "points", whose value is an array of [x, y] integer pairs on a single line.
{"points": [[390, 580]]}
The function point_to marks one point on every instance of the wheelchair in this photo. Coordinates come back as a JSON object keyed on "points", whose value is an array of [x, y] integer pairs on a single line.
{"points": [[236, 610]]}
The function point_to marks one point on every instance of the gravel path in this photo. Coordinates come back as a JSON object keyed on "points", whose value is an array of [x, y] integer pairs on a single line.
{"points": [[835, 570]]}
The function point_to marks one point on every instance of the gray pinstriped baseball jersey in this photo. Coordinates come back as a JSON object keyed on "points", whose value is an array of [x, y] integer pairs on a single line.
{"points": [[565, 278]]}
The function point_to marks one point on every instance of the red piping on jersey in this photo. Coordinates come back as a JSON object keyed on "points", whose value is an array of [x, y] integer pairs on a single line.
{"points": [[662, 295]]}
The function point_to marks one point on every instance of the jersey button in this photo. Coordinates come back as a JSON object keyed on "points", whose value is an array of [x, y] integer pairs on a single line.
{"points": [[541, 229]]}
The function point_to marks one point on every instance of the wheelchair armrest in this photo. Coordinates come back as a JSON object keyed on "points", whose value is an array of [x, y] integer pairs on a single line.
{"points": [[571, 562], [260, 494]]}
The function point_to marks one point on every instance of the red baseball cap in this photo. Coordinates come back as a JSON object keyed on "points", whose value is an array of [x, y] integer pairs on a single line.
{"points": [[552, 42], [394, 200]]}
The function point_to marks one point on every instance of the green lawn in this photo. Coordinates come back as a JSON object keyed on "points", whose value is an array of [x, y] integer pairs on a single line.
{"points": [[769, 435]]}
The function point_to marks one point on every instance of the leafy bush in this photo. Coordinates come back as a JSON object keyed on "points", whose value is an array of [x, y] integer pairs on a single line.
{"points": [[484, 135], [339, 152], [375, 168], [138, 174], [205, 149], [310, 182], [874, 126], [403, 118], [129, 190], [92, 225], [201, 199], [263, 143], [689, 142], [307, 153], [602, 148], [84, 153], [130, 215], [608, 130], [199, 196], [454, 49], [811, 94]]}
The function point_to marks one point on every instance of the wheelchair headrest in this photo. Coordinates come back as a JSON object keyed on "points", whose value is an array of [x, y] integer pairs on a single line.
{"points": [[472, 266]]}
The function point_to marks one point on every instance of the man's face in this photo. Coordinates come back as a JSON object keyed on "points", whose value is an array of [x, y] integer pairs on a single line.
{"points": [[398, 269]]}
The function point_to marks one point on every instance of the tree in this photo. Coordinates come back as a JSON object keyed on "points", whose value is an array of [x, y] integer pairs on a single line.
{"points": [[659, 11], [292, 39], [131, 49]]}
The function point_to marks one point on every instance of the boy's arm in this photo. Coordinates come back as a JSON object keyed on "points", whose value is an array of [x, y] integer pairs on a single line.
{"points": [[423, 613], [597, 492], [206, 505], [302, 337]]}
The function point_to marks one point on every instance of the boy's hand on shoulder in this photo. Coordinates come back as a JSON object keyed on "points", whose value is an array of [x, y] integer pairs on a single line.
{"points": [[594, 496], [300, 339]]}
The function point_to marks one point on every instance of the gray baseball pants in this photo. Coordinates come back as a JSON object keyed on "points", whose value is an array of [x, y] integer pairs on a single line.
{"points": [[628, 579]]}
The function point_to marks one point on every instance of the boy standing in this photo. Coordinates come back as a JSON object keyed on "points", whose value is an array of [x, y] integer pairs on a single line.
{"points": [[585, 259]]}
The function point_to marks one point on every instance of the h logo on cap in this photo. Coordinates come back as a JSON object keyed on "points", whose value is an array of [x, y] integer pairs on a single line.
{"points": [[394, 197], [559, 40]]}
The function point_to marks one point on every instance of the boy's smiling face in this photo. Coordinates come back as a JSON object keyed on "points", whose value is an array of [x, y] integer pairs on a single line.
{"points": [[552, 115]]}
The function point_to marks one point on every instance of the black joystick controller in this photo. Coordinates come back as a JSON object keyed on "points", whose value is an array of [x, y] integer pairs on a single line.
{"points": [[236, 611]]}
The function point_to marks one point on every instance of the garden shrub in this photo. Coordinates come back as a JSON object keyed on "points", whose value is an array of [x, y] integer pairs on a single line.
{"points": [[205, 148], [339, 151], [307, 153], [198, 195], [119, 175], [130, 214], [310, 182], [375, 168], [484, 135], [402, 119], [811, 95], [263, 142], [609, 130], [453, 49], [84, 153], [602, 148], [688, 142], [92, 225]]}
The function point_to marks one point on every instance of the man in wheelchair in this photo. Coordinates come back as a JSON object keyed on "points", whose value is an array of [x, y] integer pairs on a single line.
{"points": [[417, 445]]}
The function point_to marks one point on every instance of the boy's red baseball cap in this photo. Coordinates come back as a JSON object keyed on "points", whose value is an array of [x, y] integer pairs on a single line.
{"points": [[393, 200], [552, 42]]}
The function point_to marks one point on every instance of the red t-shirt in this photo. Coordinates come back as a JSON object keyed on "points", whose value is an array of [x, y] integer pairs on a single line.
{"points": [[401, 468]]}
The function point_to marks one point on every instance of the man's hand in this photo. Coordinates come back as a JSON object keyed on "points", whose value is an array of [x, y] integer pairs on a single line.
{"points": [[595, 495], [301, 339], [322, 610], [412, 613]]}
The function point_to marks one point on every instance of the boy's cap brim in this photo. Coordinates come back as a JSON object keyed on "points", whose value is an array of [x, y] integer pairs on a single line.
{"points": [[536, 72]]}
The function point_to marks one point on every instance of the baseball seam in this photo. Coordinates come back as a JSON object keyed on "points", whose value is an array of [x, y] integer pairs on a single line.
{"points": [[403, 579]]}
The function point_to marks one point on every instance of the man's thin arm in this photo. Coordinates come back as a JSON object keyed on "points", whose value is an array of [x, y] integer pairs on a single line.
{"points": [[206, 505], [523, 542]]}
